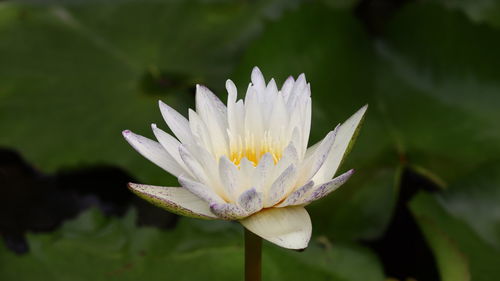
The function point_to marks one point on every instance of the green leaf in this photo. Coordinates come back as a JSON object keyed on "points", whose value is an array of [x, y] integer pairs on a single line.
{"points": [[464, 249], [481, 11], [74, 76], [342, 4], [93, 247], [361, 209], [462, 225], [438, 87]]}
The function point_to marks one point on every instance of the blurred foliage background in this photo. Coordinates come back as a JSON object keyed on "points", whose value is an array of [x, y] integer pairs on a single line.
{"points": [[424, 205]]}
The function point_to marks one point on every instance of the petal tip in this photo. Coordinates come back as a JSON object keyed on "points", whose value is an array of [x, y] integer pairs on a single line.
{"points": [[135, 188]]}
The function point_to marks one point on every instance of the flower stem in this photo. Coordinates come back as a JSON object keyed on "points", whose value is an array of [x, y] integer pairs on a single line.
{"points": [[253, 256]]}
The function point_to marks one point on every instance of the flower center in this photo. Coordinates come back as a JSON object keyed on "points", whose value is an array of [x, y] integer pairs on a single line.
{"points": [[253, 149]]}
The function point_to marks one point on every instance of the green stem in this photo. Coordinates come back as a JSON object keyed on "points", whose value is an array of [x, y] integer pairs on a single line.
{"points": [[253, 256]]}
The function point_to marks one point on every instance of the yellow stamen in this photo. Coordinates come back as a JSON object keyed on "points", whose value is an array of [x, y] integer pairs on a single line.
{"points": [[253, 149]]}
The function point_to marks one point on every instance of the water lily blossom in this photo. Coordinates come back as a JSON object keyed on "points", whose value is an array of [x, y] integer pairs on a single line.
{"points": [[248, 160]]}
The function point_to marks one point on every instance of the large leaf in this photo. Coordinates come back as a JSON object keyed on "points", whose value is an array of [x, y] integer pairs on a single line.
{"points": [[482, 11], [439, 89], [462, 226], [74, 76], [96, 248]]}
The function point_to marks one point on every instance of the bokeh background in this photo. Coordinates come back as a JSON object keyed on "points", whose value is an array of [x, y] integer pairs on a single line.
{"points": [[423, 205]]}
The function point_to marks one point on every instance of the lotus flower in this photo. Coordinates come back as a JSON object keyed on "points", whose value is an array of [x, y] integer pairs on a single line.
{"points": [[248, 161]]}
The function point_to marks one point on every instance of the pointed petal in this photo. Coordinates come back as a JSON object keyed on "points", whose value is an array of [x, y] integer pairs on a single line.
{"points": [[296, 195], [193, 165], [250, 200], [253, 116], [214, 114], [177, 123], [174, 199], [288, 227], [287, 87], [202, 191], [199, 129], [312, 165], [325, 189], [168, 142], [154, 152], [346, 135], [258, 79]]}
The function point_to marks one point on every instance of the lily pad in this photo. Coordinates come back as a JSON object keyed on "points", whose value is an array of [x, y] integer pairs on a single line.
{"points": [[462, 226], [438, 88], [93, 247], [481, 11]]}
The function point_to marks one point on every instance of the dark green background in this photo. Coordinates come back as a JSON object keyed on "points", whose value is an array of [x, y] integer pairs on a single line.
{"points": [[424, 203]]}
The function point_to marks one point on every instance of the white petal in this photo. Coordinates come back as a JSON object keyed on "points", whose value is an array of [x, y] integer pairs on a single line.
{"points": [[263, 172], [258, 79], [247, 170], [345, 136], [200, 131], [288, 227], [324, 189], [177, 123], [199, 189], [279, 116], [306, 127], [214, 114], [283, 183], [168, 142], [232, 118], [297, 91], [297, 195], [312, 165], [290, 154], [174, 199], [193, 165], [253, 117], [287, 87], [229, 176], [203, 167], [231, 90], [154, 152], [251, 200]]}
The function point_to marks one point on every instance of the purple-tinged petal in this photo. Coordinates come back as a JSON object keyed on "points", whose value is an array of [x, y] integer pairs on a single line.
{"points": [[174, 199], [228, 211], [296, 195], [250, 200], [280, 185], [326, 188]]}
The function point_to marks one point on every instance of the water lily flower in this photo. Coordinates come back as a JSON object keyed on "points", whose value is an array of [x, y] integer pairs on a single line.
{"points": [[248, 161]]}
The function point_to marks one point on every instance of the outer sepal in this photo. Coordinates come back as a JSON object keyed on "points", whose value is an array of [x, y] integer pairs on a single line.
{"points": [[177, 200]]}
